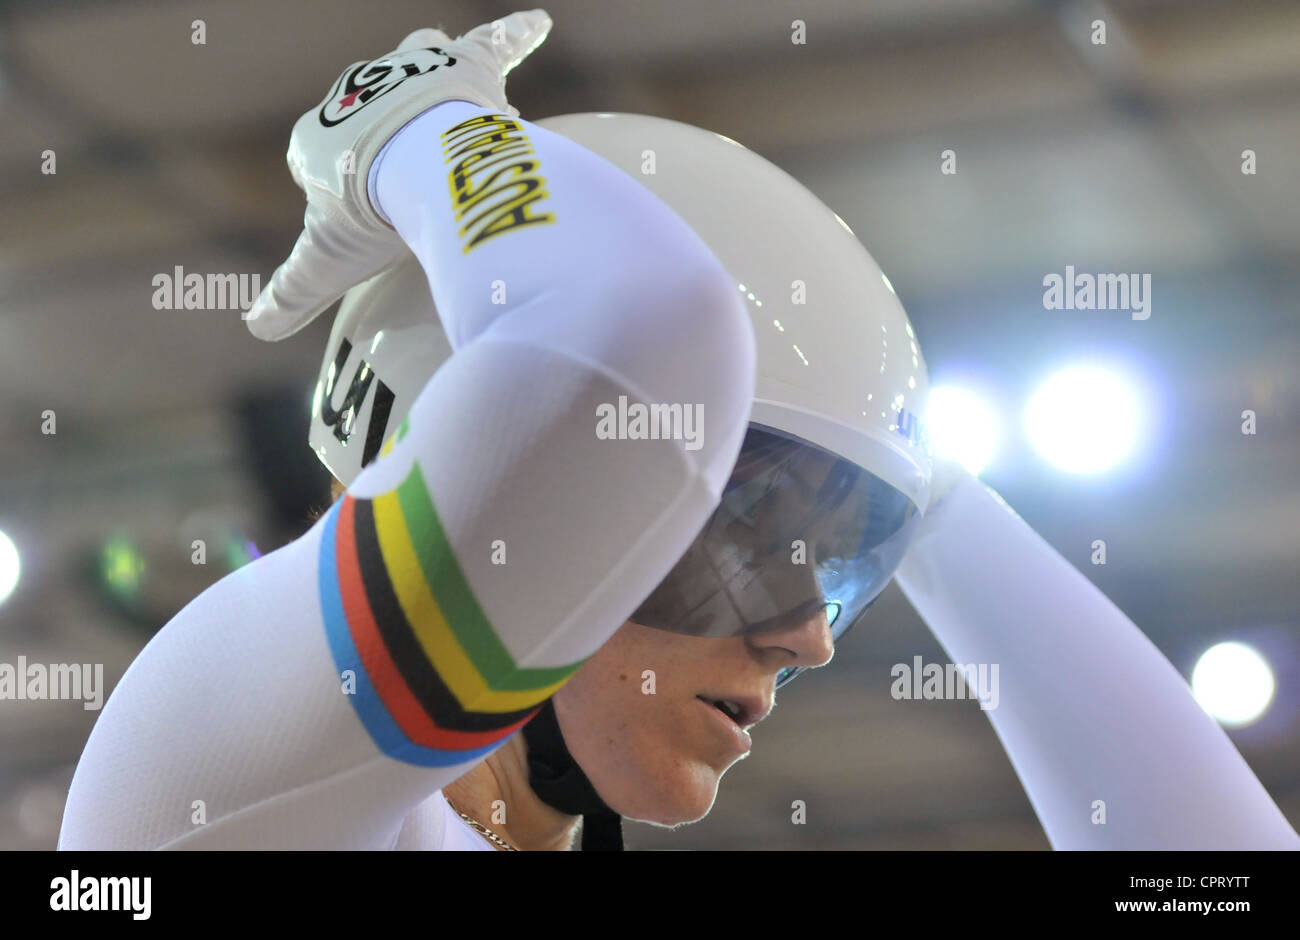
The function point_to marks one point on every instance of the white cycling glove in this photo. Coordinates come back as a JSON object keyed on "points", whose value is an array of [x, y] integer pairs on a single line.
{"points": [[344, 241]]}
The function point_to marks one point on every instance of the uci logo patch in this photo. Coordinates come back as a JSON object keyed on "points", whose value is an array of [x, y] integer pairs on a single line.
{"points": [[362, 84]]}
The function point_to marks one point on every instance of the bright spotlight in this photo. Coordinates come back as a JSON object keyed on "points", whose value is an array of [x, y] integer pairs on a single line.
{"points": [[962, 427], [8, 567], [1084, 419], [1233, 682]]}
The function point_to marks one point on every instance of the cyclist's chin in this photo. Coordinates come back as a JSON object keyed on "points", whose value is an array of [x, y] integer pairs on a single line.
{"points": [[681, 793], [665, 764], [653, 753]]}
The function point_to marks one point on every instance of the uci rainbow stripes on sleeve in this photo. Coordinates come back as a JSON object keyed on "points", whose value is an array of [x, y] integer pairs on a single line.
{"points": [[433, 683]]}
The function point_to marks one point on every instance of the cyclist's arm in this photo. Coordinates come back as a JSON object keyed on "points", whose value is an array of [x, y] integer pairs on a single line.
{"points": [[314, 697]]}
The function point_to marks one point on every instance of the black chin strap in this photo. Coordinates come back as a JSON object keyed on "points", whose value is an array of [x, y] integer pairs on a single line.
{"points": [[558, 780]]}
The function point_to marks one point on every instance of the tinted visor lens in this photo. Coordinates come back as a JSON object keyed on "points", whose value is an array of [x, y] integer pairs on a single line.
{"points": [[799, 533]]}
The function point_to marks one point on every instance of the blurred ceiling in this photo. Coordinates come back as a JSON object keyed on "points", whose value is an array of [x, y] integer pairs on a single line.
{"points": [[1123, 157]]}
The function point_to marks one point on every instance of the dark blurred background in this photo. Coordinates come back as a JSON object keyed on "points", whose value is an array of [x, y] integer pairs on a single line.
{"points": [[175, 425]]}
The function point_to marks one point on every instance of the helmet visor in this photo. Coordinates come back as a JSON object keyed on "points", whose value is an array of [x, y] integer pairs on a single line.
{"points": [[799, 533]]}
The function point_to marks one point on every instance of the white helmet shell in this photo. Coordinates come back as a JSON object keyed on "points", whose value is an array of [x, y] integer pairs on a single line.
{"points": [[838, 362]]}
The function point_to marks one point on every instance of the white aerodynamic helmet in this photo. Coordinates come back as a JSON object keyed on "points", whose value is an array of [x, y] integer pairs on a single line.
{"points": [[838, 368]]}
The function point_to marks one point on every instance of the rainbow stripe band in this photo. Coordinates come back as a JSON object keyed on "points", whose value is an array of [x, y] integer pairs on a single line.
{"points": [[435, 686]]}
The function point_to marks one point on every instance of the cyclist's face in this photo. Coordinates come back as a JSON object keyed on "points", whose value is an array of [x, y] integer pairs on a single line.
{"points": [[636, 719]]}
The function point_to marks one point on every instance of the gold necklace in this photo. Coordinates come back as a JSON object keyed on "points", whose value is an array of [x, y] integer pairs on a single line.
{"points": [[501, 844]]}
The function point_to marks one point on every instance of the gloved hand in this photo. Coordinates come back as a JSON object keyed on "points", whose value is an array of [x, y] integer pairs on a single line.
{"points": [[344, 241]]}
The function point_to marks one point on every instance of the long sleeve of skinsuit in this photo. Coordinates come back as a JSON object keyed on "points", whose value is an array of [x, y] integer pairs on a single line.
{"points": [[319, 696], [1111, 746]]}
